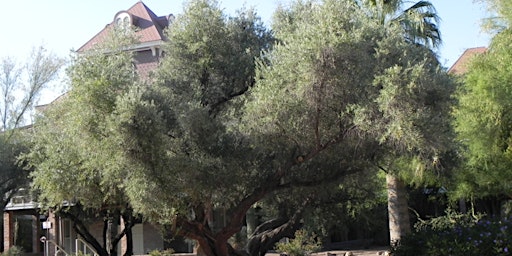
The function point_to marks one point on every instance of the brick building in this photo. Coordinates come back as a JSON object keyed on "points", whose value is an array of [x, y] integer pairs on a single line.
{"points": [[460, 66]]}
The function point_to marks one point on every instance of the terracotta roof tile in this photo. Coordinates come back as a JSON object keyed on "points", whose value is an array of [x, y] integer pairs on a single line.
{"points": [[460, 66], [148, 26]]}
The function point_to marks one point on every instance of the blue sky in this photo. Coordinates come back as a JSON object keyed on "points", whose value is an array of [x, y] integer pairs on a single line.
{"points": [[62, 25], [460, 27]]}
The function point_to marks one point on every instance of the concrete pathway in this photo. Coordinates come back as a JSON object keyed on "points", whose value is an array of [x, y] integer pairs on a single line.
{"points": [[364, 252]]}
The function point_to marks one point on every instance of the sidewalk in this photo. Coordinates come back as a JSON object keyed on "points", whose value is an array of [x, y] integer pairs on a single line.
{"points": [[364, 252]]}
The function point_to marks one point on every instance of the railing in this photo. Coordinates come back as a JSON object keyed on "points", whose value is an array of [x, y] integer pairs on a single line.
{"points": [[85, 247], [60, 249]]}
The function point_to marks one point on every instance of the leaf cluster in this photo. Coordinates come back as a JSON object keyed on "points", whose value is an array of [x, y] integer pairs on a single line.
{"points": [[180, 135], [73, 153], [483, 123], [350, 80]]}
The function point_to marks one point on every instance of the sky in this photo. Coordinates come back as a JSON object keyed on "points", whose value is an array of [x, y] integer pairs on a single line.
{"points": [[63, 25]]}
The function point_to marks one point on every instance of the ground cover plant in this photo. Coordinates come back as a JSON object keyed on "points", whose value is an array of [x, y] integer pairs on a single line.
{"points": [[302, 245], [458, 234]]}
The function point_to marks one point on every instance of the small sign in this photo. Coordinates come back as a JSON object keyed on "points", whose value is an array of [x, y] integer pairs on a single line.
{"points": [[42, 239], [47, 225]]}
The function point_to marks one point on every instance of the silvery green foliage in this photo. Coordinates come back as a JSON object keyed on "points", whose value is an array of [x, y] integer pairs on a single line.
{"points": [[180, 135], [72, 153], [336, 92], [77, 169], [348, 79]]}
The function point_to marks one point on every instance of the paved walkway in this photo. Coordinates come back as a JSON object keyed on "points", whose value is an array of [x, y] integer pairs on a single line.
{"points": [[365, 252]]}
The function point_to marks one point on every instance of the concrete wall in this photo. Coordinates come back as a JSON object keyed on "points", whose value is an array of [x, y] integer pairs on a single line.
{"points": [[153, 239]]}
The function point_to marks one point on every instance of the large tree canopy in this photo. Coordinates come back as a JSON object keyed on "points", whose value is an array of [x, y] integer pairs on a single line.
{"points": [[180, 135], [349, 80], [400, 103], [483, 122], [336, 94], [76, 172]]}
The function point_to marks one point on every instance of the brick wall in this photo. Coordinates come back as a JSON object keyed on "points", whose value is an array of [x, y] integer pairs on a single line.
{"points": [[145, 62], [8, 230], [53, 233]]}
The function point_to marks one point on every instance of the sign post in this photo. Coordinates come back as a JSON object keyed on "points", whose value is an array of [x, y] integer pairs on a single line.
{"points": [[47, 225]]}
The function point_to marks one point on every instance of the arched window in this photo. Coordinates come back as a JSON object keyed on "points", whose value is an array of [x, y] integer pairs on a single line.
{"points": [[123, 20]]}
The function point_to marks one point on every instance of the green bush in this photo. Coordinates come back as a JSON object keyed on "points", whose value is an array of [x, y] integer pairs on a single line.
{"points": [[458, 234], [302, 245], [13, 251], [79, 253], [167, 252]]}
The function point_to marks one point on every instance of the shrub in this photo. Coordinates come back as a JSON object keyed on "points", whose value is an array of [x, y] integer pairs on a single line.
{"points": [[79, 253], [458, 234], [13, 251], [167, 252], [302, 245]]}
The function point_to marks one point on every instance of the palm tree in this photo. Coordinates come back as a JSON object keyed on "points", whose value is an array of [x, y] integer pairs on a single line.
{"points": [[419, 22]]}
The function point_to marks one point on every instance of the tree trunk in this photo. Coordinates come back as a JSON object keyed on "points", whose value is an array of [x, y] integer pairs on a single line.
{"points": [[212, 243], [81, 229], [110, 245], [110, 236], [129, 221], [264, 240], [398, 210], [251, 220], [462, 206], [129, 243], [209, 246], [270, 232]]}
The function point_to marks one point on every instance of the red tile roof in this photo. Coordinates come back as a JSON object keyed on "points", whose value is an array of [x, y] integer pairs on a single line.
{"points": [[148, 26], [460, 66]]}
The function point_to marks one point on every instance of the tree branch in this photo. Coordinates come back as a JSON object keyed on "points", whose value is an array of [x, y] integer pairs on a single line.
{"points": [[81, 229]]}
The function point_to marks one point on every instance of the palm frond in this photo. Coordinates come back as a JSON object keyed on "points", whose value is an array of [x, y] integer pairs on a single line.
{"points": [[420, 24]]}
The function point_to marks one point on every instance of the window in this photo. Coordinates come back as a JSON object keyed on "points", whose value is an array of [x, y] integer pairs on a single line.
{"points": [[123, 20]]}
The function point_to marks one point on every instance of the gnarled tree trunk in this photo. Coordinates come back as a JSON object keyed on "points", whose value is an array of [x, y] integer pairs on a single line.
{"points": [[267, 234]]}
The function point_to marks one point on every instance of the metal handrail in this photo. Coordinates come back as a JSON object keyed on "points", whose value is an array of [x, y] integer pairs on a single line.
{"points": [[86, 246], [59, 247]]}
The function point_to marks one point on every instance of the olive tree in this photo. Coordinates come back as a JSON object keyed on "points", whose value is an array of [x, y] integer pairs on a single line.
{"points": [[337, 94]]}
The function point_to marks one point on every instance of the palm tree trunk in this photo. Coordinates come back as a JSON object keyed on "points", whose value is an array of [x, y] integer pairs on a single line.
{"points": [[398, 210]]}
